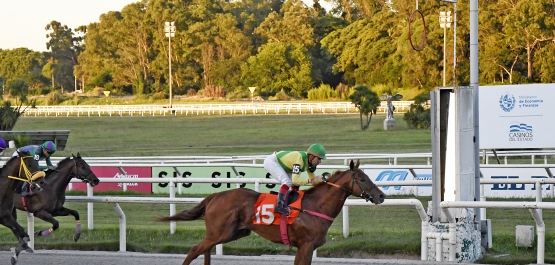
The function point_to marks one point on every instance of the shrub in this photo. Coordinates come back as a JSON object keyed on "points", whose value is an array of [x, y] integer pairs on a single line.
{"points": [[281, 95], [160, 95], [191, 92], [54, 98], [322, 93], [418, 116]]}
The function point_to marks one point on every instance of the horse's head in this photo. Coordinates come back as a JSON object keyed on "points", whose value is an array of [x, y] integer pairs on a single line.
{"points": [[364, 187], [83, 171]]}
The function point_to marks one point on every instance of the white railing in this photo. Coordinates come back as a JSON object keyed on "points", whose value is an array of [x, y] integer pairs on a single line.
{"points": [[90, 199], [208, 109], [533, 207], [544, 157]]}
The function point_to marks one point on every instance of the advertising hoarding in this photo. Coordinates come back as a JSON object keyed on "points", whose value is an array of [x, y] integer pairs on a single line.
{"points": [[490, 190], [213, 172], [516, 116], [114, 172]]}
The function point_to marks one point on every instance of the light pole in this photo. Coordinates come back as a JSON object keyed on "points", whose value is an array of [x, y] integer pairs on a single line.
{"points": [[444, 23], [169, 29]]}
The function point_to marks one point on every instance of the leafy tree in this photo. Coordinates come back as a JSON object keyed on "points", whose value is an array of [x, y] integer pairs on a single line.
{"points": [[9, 115], [279, 66], [418, 116], [64, 47], [22, 63], [367, 102], [529, 24], [292, 24]]}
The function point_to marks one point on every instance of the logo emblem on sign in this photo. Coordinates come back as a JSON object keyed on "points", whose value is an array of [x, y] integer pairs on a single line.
{"points": [[507, 102]]}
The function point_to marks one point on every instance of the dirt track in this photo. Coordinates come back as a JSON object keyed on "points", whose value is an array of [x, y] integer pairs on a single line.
{"points": [[54, 257]]}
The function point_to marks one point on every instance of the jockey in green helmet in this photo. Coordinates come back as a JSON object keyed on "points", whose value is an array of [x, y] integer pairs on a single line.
{"points": [[38, 152], [286, 166]]}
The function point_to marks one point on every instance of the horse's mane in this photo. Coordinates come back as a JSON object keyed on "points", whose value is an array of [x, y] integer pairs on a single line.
{"points": [[13, 158], [331, 178], [25, 153], [63, 161]]}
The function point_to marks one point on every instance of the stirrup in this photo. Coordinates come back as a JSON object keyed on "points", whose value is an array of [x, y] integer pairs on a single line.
{"points": [[282, 210]]}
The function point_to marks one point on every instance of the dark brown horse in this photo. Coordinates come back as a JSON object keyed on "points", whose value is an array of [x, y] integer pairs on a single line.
{"points": [[16, 169], [49, 202], [229, 214]]}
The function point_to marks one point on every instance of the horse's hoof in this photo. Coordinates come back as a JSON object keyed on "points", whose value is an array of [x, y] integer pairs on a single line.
{"points": [[14, 258], [76, 237], [29, 250]]}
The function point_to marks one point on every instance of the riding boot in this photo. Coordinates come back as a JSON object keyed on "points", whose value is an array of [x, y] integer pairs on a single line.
{"points": [[25, 189], [281, 204]]}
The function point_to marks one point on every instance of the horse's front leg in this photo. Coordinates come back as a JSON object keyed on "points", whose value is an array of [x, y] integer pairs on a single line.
{"points": [[304, 254], [20, 234], [47, 217], [65, 212]]}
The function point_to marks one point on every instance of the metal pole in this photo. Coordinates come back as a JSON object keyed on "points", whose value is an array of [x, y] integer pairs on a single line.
{"points": [[170, 62], [444, 49]]}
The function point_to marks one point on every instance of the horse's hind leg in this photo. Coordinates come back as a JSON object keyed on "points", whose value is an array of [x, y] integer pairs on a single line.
{"points": [[304, 254], [203, 247], [46, 216], [212, 238], [65, 212]]}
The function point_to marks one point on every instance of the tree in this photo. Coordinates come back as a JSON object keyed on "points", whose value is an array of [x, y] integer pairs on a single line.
{"points": [[418, 116], [367, 102], [8, 114], [64, 52], [292, 24], [279, 66], [22, 63]]}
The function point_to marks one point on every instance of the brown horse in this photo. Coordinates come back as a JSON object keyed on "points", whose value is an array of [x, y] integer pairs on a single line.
{"points": [[49, 202], [17, 168], [228, 215]]}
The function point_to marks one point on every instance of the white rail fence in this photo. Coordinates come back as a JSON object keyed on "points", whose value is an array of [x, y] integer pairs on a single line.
{"points": [[208, 109], [505, 157], [535, 207]]}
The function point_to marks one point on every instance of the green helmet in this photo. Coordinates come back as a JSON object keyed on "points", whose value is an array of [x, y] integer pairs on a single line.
{"points": [[49, 146], [317, 150]]}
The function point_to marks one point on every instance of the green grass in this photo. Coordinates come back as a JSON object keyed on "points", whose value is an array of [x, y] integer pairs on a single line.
{"points": [[373, 230], [227, 135]]}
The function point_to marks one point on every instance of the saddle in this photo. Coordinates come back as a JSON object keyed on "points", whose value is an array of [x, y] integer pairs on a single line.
{"points": [[291, 197]]}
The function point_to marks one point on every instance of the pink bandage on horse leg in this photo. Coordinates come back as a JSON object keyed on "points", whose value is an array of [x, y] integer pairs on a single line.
{"points": [[46, 232]]}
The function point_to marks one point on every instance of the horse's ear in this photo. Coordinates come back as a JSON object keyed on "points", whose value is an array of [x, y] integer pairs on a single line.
{"points": [[358, 163], [352, 165], [78, 154]]}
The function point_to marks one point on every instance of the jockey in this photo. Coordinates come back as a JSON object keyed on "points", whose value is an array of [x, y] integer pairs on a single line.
{"points": [[39, 152], [2, 145], [286, 166]]}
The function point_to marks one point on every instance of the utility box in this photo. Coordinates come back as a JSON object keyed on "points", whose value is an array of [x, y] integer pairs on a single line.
{"points": [[524, 235], [485, 227]]}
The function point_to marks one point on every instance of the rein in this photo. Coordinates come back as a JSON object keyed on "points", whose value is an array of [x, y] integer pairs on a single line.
{"points": [[354, 180], [29, 176]]}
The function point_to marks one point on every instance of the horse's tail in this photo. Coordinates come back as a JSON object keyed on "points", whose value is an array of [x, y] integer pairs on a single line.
{"points": [[190, 214]]}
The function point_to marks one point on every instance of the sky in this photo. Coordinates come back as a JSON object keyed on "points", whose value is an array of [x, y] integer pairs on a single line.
{"points": [[23, 22]]}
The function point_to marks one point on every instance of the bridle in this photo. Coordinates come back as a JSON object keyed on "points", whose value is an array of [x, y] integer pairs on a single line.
{"points": [[29, 176], [364, 195], [73, 173]]}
